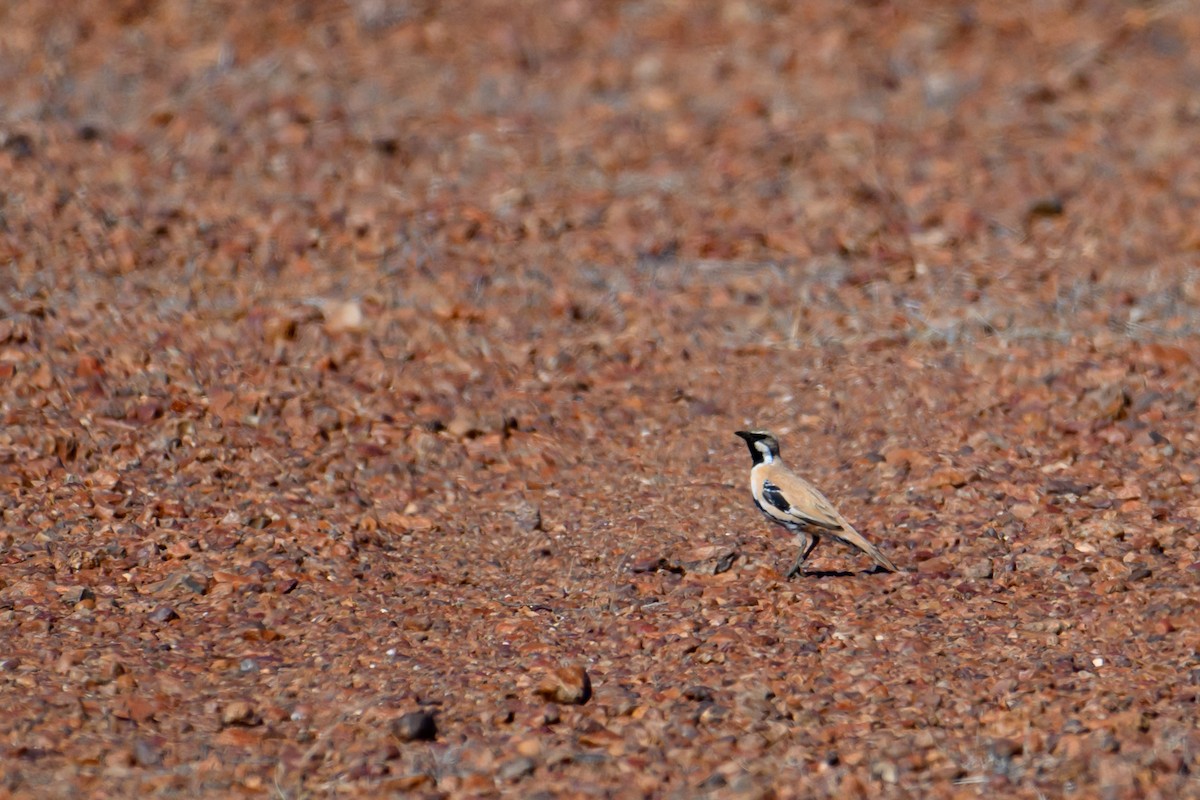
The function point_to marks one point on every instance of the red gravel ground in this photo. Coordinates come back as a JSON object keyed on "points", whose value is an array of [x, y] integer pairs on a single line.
{"points": [[372, 364]]}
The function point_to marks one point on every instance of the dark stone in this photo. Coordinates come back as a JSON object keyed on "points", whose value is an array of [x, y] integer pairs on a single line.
{"points": [[415, 726], [163, 614], [20, 145], [725, 562]]}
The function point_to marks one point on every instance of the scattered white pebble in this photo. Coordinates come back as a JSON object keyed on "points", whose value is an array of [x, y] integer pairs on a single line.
{"points": [[344, 317]]}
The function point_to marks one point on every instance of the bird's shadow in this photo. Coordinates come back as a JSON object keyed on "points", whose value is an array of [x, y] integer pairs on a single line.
{"points": [[841, 573], [827, 573]]}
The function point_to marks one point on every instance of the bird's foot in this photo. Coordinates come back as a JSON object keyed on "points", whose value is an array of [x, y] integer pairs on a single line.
{"points": [[797, 569]]}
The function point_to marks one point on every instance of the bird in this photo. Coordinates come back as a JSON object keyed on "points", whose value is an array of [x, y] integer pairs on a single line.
{"points": [[788, 500]]}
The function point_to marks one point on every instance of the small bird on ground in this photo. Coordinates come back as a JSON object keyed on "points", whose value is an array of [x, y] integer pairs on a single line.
{"points": [[788, 500]]}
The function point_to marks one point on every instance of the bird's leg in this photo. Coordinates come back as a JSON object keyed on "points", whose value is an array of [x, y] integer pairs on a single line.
{"points": [[808, 541], [813, 541]]}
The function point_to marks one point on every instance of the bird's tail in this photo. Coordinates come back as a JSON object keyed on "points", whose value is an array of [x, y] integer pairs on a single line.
{"points": [[853, 537]]}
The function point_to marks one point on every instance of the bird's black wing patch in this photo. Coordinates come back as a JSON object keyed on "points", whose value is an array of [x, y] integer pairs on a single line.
{"points": [[774, 495]]}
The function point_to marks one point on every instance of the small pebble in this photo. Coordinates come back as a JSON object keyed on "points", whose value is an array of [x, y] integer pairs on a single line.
{"points": [[517, 768], [239, 712], [568, 685], [78, 594]]}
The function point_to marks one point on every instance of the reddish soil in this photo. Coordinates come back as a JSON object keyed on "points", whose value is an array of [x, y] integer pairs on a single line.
{"points": [[369, 373]]}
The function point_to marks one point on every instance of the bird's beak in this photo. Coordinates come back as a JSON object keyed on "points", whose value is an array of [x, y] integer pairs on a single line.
{"points": [[747, 435]]}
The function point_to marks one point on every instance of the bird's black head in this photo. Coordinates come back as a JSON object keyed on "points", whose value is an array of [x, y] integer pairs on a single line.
{"points": [[764, 447]]}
